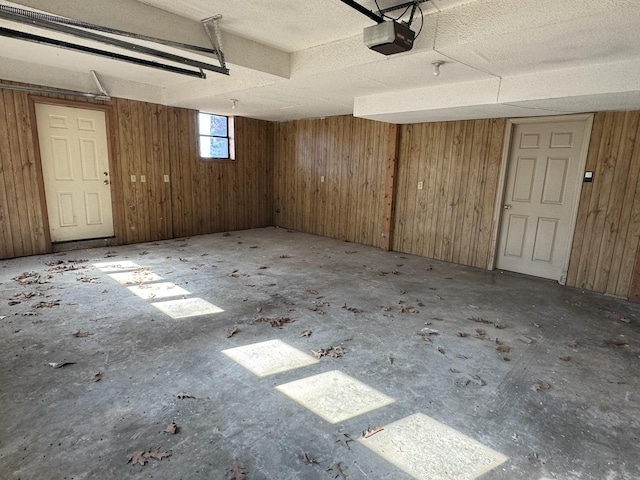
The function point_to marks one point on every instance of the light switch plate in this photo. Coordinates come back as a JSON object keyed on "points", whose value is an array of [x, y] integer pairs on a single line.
{"points": [[133, 179], [420, 185]]}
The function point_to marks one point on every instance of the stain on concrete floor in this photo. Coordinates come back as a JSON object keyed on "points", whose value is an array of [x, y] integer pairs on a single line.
{"points": [[425, 333]]}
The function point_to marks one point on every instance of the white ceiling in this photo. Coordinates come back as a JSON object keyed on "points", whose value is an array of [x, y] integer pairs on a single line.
{"points": [[292, 59]]}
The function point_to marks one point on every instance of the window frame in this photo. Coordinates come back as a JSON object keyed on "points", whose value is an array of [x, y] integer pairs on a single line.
{"points": [[229, 137]]}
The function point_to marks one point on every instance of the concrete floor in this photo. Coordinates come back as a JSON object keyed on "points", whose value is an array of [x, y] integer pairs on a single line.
{"points": [[59, 424]]}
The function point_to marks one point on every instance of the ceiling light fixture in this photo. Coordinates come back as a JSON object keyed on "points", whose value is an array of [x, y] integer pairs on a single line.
{"points": [[234, 101], [436, 67]]}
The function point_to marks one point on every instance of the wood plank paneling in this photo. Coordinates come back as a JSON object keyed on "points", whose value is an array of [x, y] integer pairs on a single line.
{"points": [[145, 139], [351, 154], [214, 196], [607, 231], [21, 212], [451, 217]]}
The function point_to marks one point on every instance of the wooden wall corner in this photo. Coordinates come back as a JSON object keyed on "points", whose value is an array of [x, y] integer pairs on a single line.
{"points": [[393, 145]]}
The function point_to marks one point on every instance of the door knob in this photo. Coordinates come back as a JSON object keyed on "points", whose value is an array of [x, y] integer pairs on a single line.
{"points": [[106, 182], [507, 207], [106, 174]]}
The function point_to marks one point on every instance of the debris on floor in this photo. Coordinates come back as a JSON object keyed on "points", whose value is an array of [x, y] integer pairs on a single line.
{"points": [[233, 331], [172, 428], [61, 364], [306, 458], [237, 472], [540, 385], [142, 456], [336, 470], [333, 352], [371, 431], [183, 395], [343, 439], [275, 322]]}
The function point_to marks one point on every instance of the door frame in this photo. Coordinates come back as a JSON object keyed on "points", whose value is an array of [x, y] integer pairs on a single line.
{"points": [[116, 191], [502, 180]]}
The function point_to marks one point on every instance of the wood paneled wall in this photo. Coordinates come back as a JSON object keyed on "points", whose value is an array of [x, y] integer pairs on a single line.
{"points": [[608, 226], [351, 155], [214, 196], [146, 139], [22, 231], [451, 218]]}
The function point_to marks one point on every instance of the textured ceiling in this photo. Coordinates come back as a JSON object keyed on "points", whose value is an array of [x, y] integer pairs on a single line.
{"points": [[293, 59]]}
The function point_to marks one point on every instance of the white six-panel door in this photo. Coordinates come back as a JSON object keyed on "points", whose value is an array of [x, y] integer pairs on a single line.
{"points": [[75, 166], [543, 177]]}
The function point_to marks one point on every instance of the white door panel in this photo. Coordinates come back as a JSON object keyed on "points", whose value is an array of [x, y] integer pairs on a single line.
{"points": [[75, 166], [543, 175]]}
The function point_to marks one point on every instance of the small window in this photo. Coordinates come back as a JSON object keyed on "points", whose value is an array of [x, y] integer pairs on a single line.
{"points": [[215, 136]]}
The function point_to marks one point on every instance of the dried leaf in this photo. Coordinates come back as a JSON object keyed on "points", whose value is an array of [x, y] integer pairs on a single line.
{"points": [[566, 358], [233, 331], [80, 334], [572, 344], [386, 308], [54, 303], [172, 428], [336, 470], [540, 385], [157, 454], [61, 364], [97, 377], [499, 342], [333, 352], [533, 457], [89, 279], [479, 380], [306, 333], [618, 342], [526, 340], [465, 382], [343, 438], [474, 307], [183, 395], [11, 303], [500, 326], [481, 334], [285, 256], [306, 458], [463, 334], [237, 472], [441, 350], [275, 322], [625, 320], [137, 457], [479, 320], [408, 309], [351, 309], [503, 349], [371, 431]]}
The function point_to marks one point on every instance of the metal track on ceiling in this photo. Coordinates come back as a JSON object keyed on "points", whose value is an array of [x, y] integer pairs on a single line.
{"points": [[68, 26]]}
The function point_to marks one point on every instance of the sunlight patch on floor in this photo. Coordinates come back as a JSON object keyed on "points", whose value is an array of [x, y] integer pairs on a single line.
{"points": [[188, 307], [117, 266], [135, 277], [335, 396], [270, 357], [158, 290], [429, 450]]}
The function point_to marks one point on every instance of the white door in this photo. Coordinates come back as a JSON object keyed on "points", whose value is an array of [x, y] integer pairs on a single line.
{"points": [[75, 166], [543, 181]]}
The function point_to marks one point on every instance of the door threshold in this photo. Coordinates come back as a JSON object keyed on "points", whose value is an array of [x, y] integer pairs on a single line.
{"points": [[83, 244]]}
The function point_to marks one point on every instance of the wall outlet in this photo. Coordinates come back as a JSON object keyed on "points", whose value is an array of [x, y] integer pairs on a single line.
{"points": [[133, 179], [321, 178], [166, 178], [143, 178], [420, 185]]}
